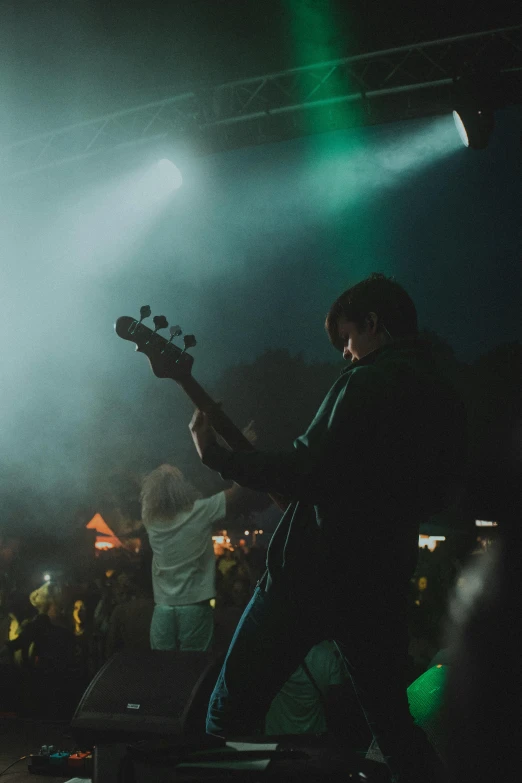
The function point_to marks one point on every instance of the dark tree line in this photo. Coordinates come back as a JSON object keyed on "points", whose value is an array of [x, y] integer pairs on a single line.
{"points": [[281, 393]]}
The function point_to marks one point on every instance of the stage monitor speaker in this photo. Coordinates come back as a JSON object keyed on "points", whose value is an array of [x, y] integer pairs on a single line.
{"points": [[142, 695], [426, 702]]}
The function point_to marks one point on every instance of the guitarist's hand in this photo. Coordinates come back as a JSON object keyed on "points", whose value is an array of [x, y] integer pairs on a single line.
{"points": [[202, 433], [250, 433]]}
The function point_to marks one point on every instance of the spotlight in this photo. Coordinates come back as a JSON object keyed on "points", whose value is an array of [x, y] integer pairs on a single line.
{"points": [[160, 177], [47, 577], [475, 96], [169, 176], [474, 126]]}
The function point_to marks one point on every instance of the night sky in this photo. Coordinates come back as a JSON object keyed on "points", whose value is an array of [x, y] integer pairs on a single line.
{"points": [[251, 251]]}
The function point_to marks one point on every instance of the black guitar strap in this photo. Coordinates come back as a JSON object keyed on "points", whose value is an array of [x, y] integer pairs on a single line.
{"points": [[312, 680]]}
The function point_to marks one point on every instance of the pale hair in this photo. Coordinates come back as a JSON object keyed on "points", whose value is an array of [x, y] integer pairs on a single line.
{"points": [[45, 598], [164, 493]]}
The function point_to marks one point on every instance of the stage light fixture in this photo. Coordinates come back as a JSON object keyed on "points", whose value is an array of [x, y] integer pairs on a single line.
{"points": [[158, 180], [475, 96], [168, 174], [474, 126]]}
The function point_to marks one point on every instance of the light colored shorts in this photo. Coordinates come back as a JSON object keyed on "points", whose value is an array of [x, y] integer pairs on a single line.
{"points": [[189, 627]]}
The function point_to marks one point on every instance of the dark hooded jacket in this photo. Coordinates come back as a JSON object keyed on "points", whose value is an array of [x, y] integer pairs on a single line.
{"points": [[383, 454]]}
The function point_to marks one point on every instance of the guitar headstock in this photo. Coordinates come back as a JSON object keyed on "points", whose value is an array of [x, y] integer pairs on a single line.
{"points": [[166, 359]]}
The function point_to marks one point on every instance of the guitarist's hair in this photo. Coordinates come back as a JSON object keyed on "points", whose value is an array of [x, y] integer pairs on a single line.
{"points": [[380, 294], [164, 493]]}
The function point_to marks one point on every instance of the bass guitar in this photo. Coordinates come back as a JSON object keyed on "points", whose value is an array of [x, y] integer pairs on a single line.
{"points": [[167, 360]]}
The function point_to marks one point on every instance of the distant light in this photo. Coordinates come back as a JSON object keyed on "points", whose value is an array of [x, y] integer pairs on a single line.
{"points": [[430, 541], [260, 532], [103, 545], [169, 176], [47, 577], [485, 523], [247, 532]]}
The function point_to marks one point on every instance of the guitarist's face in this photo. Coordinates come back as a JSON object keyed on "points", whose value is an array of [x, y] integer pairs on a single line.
{"points": [[359, 340]]}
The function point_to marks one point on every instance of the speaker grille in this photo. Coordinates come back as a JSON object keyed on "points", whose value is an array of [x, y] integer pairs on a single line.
{"points": [[147, 692]]}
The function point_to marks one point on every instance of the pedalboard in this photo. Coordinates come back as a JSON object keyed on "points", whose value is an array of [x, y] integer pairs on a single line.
{"points": [[52, 761]]}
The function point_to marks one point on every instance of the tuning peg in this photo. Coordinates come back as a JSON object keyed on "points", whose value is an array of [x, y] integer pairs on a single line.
{"points": [[144, 313], [160, 322], [189, 341], [175, 331]]}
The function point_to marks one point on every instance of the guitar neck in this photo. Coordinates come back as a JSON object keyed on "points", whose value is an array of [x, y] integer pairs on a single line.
{"points": [[221, 423], [219, 420]]}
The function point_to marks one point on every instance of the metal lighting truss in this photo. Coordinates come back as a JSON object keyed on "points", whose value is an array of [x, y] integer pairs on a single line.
{"points": [[399, 83]]}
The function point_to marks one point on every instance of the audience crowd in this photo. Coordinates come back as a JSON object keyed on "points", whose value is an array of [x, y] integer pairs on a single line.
{"points": [[54, 639]]}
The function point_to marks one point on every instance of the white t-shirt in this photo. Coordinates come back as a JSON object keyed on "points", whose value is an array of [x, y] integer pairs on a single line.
{"points": [[183, 563], [297, 708]]}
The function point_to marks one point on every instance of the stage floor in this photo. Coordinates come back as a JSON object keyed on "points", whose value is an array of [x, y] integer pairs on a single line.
{"points": [[20, 738]]}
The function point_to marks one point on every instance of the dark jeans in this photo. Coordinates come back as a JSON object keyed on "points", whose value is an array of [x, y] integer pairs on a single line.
{"points": [[273, 637]]}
